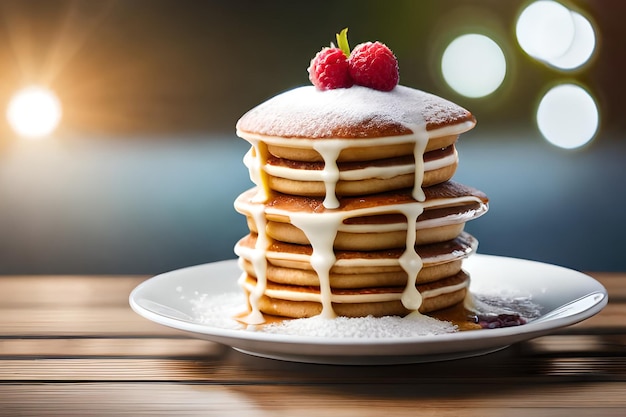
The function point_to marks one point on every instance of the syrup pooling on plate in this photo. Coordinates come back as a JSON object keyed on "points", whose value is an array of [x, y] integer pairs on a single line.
{"points": [[320, 228]]}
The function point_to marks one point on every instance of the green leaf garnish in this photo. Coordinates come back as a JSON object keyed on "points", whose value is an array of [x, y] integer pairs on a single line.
{"points": [[342, 42]]}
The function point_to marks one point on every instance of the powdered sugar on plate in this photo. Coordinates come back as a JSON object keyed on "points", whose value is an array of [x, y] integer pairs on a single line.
{"points": [[363, 327], [220, 310]]}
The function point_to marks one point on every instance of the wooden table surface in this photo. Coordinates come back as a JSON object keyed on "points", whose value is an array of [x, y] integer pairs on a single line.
{"points": [[71, 345]]}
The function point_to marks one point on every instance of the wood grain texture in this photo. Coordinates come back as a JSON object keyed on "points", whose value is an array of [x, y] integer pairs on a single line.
{"points": [[113, 399], [71, 346]]}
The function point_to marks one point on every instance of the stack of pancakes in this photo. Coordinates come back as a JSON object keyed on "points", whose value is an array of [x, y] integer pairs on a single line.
{"points": [[354, 212]]}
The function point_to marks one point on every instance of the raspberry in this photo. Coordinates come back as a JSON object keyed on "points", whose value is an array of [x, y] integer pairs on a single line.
{"points": [[373, 65], [329, 70]]}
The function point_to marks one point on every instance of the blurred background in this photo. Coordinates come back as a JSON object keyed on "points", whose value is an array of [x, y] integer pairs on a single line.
{"points": [[132, 164]]}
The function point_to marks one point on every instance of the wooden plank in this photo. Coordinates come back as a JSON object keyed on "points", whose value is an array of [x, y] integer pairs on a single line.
{"points": [[611, 319], [77, 321], [73, 290], [103, 369], [568, 345], [363, 400], [615, 284], [107, 347]]}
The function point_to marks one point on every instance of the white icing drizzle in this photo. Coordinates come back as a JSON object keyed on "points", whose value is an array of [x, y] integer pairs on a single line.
{"points": [[322, 236], [442, 162], [255, 164], [330, 175], [259, 261], [421, 140], [376, 172], [410, 261]]}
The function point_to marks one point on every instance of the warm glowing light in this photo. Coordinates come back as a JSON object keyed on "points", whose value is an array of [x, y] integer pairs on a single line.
{"points": [[473, 65], [552, 33], [567, 116], [34, 112]]}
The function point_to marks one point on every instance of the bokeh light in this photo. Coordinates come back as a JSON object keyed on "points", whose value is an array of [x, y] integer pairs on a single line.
{"points": [[582, 47], [473, 65], [567, 116], [34, 112], [545, 30], [552, 33]]}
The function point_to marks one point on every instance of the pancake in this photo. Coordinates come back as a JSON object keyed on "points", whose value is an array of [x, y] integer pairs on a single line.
{"points": [[302, 302], [291, 264], [359, 178], [353, 152], [354, 113], [374, 223]]}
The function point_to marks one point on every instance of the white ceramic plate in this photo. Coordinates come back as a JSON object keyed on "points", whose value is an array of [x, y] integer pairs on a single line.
{"points": [[565, 297]]}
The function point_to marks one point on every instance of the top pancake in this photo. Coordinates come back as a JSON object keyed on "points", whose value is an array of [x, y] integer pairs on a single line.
{"points": [[356, 112]]}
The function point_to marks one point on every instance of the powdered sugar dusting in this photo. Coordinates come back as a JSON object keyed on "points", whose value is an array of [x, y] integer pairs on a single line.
{"points": [[350, 112], [219, 310], [388, 327]]}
